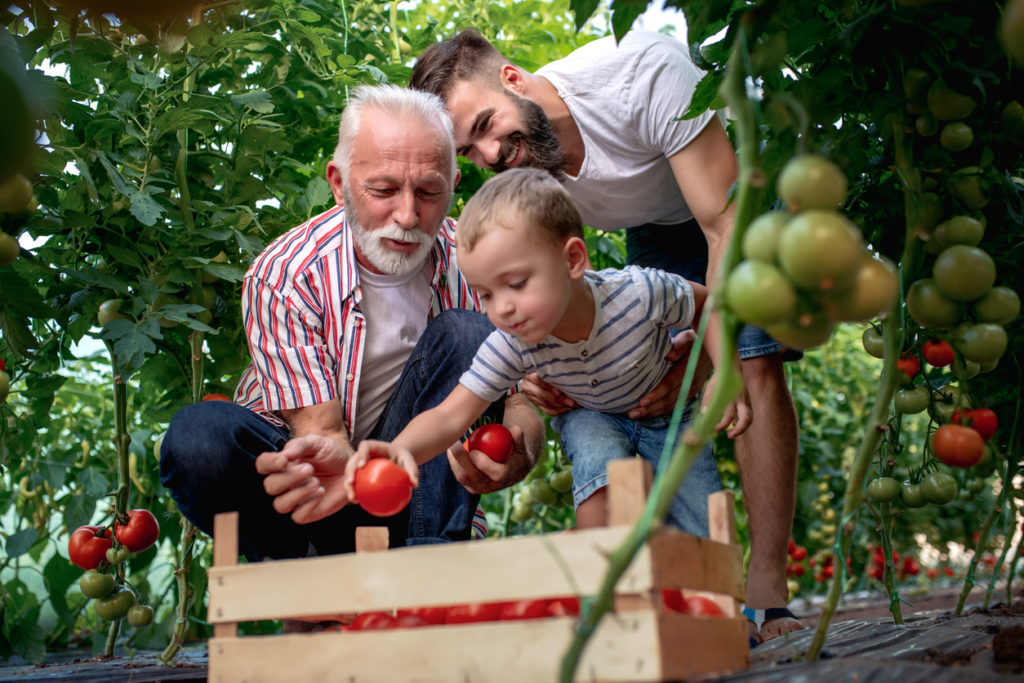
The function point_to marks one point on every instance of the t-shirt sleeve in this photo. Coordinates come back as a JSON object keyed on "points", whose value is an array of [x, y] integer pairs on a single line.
{"points": [[670, 297], [497, 367], [665, 83], [288, 349]]}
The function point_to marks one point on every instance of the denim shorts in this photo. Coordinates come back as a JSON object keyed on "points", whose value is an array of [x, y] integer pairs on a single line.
{"points": [[682, 249], [591, 440]]}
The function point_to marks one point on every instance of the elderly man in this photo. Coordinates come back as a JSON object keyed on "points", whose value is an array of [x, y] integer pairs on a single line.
{"points": [[604, 120], [356, 320]]}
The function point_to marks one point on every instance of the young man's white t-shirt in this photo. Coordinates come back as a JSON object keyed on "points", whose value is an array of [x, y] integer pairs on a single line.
{"points": [[626, 100]]}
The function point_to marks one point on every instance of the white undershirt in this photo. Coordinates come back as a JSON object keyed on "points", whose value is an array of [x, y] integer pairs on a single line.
{"points": [[395, 307]]}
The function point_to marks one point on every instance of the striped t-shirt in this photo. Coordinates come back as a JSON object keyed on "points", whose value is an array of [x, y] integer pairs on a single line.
{"points": [[621, 360], [306, 332]]}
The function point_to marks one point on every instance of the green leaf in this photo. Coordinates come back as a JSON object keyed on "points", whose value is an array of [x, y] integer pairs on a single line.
{"points": [[225, 271], [257, 100], [583, 10], [132, 341], [81, 507], [60, 575], [705, 94], [145, 208], [20, 542], [97, 277], [21, 297], [17, 333], [624, 13], [127, 256]]}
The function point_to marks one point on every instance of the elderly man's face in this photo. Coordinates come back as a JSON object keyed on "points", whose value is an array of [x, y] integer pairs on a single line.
{"points": [[397, 193]]}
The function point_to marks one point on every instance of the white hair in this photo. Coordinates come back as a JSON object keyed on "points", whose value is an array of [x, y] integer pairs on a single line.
{"points": [[396, 102]]}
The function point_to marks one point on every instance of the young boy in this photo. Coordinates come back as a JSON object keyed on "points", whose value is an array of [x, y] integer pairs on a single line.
{"points": [[600, 337]]}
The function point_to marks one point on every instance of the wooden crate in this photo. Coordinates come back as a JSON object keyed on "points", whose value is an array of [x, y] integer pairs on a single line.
{"points": [[639, 642]]}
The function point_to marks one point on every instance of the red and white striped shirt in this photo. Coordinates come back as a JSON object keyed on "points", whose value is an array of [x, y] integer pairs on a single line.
{"points": [[300, 307]]}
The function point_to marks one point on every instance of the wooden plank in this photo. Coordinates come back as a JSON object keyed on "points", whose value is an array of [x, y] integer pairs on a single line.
{"points": [[371, 539], [225, 554], [624, 648], [679, 560], [695, 646], [524, 567], [722, 517], [629, 481]]}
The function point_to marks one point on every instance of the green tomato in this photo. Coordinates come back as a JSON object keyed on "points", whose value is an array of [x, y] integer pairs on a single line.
{"points": [[938, 488], [561, 481], [95, 584], [810, 181], [981, 342], [9, 249], [911, 401], [948, 104], [542, 492], [883, 489], [140, 615], [964, 273], [956, 136], [999, 305], [932, 210], [960, 230], [965, 369], [873, 342], [926, 125], [110, 310], [976, 486], [911, 495], [118, 555], [115, 606], [875, 286], [929, 307], [522, 512], [759, 294], [804, 333], [761, 240], [821, 250], [969, 187], [5, 386]]}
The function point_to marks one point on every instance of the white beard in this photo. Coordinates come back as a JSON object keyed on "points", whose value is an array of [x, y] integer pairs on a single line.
{"points": [[388, 261]]}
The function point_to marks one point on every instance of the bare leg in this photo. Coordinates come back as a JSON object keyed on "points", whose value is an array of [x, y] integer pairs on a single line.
{"points": [[593, 512], [767, 455]]}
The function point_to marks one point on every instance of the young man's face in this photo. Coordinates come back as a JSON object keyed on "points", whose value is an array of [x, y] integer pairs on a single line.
{"points": [[397, 192], [498, 129], [522, 280]]}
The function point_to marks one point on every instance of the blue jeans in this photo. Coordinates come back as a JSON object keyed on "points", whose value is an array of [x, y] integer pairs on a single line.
{"points": [[208, 460], [683, 249], [591, 440]]}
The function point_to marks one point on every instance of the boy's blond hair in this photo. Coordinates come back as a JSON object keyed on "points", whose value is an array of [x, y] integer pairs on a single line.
{"points": [[520, 196]]}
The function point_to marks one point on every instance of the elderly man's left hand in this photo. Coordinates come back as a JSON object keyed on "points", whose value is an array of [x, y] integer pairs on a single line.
{"points": [[479, 474]]}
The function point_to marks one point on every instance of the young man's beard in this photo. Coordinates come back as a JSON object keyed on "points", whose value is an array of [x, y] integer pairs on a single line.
{"points": [[388, 261], [540, 144]]}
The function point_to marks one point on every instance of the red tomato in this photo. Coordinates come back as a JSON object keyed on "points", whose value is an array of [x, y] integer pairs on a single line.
{"points": [[909, 366], [88, 546], [141, 531], [828, 571], [798, 569], [473, 612], [673, 599], [791, 547], [409, 621], [877, 572], [911, 566], [932, 572], [524, 609], [982, 420], [372, 621], [564, 607], [431, 615], [3, 366], [700, 606], [948, 571], [216, 397], [382, 487], [494, 440], [938, 354], [958, 446], [798, 553]]}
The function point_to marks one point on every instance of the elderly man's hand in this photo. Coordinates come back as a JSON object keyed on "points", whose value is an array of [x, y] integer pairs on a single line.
{"points": [[546, 397], [479, 474], [662, 398], [306, 477]]}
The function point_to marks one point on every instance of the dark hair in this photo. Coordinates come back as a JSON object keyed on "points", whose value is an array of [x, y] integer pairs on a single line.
{"points": [[466, 55]]}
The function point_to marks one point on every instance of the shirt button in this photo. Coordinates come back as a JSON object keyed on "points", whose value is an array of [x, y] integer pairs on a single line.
{"points": [[593, 382], [583, 353], [350, 377], [357, 323]]}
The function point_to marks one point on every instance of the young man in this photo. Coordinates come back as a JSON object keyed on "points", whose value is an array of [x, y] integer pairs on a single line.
{"points": [[601, 337], [357, 320], [604, 120]]}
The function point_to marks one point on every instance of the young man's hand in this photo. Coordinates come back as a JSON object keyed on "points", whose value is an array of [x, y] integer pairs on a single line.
{"points": [[661, 400]]}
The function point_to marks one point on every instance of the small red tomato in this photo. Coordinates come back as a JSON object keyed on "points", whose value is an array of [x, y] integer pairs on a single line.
{"points": [[382, 487], [798, 553], [699, 606], [216, 397], [2, 365], [828, 571], [431, 615], [938, 354], [982, 420], [932, 573], [958, 446], [494, 440], [791, 547], [798, 569], [673, 599], [88, 546], [564, 607], [473, 612], [911, 567], [524, 609], [948, 571], [409, 621], [372, 621], [140, 532], [909, 366]]}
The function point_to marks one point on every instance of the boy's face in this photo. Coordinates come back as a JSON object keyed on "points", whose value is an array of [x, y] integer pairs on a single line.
{"points": [[522, 279]]}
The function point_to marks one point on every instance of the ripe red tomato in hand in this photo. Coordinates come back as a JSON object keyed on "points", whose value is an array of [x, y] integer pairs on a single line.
{"points": [[494, 440], [938, 354], [473, 612], [981, 420], [524, 609], [141, 531], [958, 446], [88, 546], [909, 366], [382, 488], [699, 606]]}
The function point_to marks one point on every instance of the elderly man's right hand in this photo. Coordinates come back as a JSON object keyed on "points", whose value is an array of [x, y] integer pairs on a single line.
{"points": [[306, 477]]}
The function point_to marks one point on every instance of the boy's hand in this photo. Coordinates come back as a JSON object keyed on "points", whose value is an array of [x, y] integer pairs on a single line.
{"points": [[379, 449]]}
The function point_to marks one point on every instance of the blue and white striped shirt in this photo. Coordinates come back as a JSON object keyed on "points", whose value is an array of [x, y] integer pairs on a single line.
{"points": [[621, 360]]}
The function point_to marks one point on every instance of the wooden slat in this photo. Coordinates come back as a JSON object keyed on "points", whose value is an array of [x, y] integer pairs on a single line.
{"points": [[679, 560], [624, 648], [722, 517], [472, 571], [225, 554], [629, 481], [371, 539]]}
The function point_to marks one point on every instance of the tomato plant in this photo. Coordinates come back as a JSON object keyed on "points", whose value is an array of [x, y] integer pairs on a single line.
{"points": [[114, 606], [957, 446], [88, 546], [140, 615], [139, 532], [382, 488], [494, 440]]}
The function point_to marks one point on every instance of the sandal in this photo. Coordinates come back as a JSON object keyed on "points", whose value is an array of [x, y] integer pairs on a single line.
{"points": [[759, 616]]}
